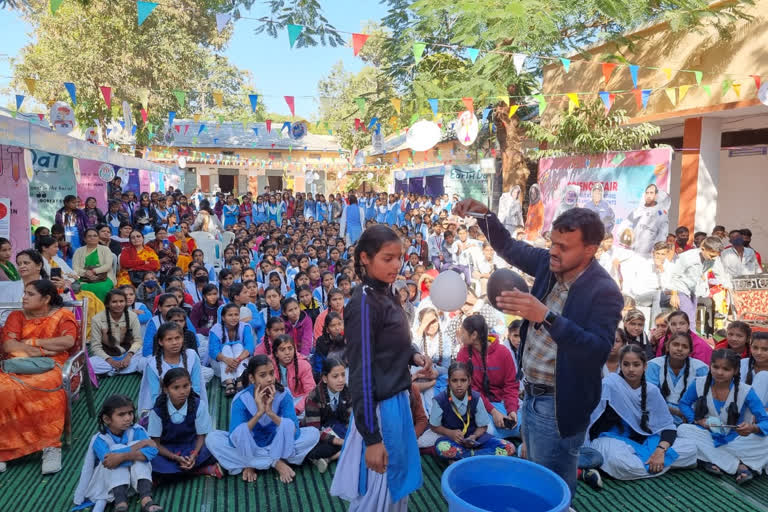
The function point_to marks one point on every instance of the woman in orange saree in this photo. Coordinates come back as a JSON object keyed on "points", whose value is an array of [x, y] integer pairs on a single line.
{"points": [[31, 419], [136, 258]]}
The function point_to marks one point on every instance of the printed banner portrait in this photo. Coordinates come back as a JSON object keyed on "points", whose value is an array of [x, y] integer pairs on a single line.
{"points": [[91, 183], [54, 179]]}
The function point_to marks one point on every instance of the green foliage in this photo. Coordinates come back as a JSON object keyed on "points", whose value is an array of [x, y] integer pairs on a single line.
{"points": [[308, 13], [355, 180], [589, 130]]}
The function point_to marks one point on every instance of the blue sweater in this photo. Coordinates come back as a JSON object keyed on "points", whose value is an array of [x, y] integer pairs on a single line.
{"points": [[584, 332]]}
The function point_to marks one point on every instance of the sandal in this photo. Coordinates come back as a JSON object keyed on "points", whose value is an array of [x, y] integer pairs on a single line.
{"points": [[744, 475], [148, 505], [712, 469], [229, 390]]}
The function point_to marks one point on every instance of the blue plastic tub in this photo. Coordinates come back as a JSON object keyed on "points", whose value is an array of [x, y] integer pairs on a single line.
{"points": [[491, 483]]}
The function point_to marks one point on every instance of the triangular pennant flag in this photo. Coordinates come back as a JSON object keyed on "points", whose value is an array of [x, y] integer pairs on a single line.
{"points": [[40, 116], [171, 117], [518, 60], [542, 102], [287, 125], [633, 72], [256, 131], [756, 78], [357, 124], [144, 97], [181, 97], [269, 125], [573, 101], [294, 31], [360, 105], [486, 112], [289, 100], [55, 4], [200, 130], [133, 129], [707, 89], [144, 116], [358, 40], [608, 68], [396, 103], [682, 91], [106, 93], [414, 118], [566, 64], [418, 51], [19, 101], [221, 20], [469, 103], [196, 117], [646, 96], [726, 86], [254, 99], [505, 99], [513, 110], [605, 96], [473, 53], [698, 75], [122, 124], [177, 128], [373, 121], [667, 72], [433, 105], [737, 89], [218, 98], [72, 90], [672, 95], [186, 129], [638, 98], [31, 83], [144, 9]]}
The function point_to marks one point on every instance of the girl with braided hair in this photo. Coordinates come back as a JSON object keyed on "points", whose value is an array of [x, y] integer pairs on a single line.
{"points": [[293, 371], [632, 427], [674, 371], [299, 325], [116, 337], [493, 374], [754, 369], [275, 327], [726, 420], [433, 343], [737, 338], [170, 352], [230, 344]]}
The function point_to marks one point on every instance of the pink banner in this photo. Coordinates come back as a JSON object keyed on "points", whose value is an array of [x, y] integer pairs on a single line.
{"points": [[144, 181], [14, 186], [91, 185]]}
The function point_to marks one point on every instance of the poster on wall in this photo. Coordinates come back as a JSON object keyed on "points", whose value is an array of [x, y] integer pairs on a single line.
{"points": [[92, 184], [54, 179], [629, 190], [130, 179], [14, 186], [468, 181], [145, 181]]}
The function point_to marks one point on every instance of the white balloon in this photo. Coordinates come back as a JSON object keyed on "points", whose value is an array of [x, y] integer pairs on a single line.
{"points": [[423, 135], [369, 176], [448, 291]]}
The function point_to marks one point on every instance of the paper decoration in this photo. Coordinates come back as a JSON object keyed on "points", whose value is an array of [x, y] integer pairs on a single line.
{"points": [[55, 4], [607, 99], [357, 124], [62, 118], [667, 72], [469, 103], [269, 125], [433, 104], [418, 51], [505, 99], [177, 128], [30, 83], [542, 102], [737, 89], [707, 89], [645, 97], [473, 53], [513, 110], [672, 95], [218, 99], [106, 93], [171, 117], [255, 131], [289, 100], [144, 115], [608, 68], [682, 91], [486, 112], [360, 105], [200, 130], [358, 40], [518, 60], [633, 69], [756, 78], [181, 97], [144, 97], [638, 98], [423, 135], [72, 90], [196, 117], [566, 64], [698, 75], [294, 31], [573, 101], [396, 103], [144, 9], [254, 99], [221, 20], [373, 121]]}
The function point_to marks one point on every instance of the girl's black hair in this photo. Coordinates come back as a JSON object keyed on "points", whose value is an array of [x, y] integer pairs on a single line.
{"points": [[678, 312], [640, 353], [225, 272], [46, 288], [162, 331], [286, 338], [664, 385], [371, 242], [758, 336], [235, 290], [253, 364], [329, 364], [127, 340], [700, 407], [458, 365], [476, 324], [36, 258], [288, 301], [329, 317], [224, 329], [743, 327], [422, 314], [208, 288], [514, 324], [109, 406], [276, 290], [44, 241], [162, 300], [169, 378]]}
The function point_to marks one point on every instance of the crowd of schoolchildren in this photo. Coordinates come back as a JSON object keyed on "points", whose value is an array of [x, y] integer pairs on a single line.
{"points": [[269, 325]]}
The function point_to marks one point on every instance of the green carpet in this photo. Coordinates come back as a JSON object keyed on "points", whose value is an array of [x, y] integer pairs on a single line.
{"points": [[23, 489]]}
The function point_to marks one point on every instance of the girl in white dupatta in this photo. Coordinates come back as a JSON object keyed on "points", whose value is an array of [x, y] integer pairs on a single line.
{"points": [[632, 427], [754, 369]]}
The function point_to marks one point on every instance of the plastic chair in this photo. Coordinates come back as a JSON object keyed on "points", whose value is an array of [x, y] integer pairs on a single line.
{"points": [[227, 238]]}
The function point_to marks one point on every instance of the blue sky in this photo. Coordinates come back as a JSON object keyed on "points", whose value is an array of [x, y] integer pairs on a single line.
{"points": [[277, 70]]}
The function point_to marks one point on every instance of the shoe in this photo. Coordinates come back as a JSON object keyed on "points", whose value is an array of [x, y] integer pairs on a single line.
{"points": [[321, 465], [51, 460], [592, 478], [3, 467]]}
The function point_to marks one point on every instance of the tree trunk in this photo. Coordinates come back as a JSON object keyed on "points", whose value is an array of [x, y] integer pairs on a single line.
{"points": [[513, 169]]}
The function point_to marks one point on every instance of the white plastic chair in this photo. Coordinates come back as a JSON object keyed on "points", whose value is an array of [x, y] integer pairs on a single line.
{"points": [[227, 238]]}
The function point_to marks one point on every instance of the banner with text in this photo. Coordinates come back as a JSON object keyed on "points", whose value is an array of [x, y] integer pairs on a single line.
{"points": [[92, 181], [468, 181], [54, 179], [14, 186]]}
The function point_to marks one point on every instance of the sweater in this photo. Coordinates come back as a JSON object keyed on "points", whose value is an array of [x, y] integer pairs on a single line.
{"points": [[301, 332], [105, 258]]}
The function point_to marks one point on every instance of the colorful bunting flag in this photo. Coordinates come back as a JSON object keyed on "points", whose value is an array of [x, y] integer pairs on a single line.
{"points": [[756, 78], [633, 69], [19, 101], [469, 103], [133, 129], [196, 117], [218, 98], [672, 95], [726, 86], [186, 129], [144, 97], [177, 128], [433, 104], [269, 125], [106, 93], [518, 60], [608, 68], [513, 110], [31, 83], [542, 102], [72, 90], [254, 99], [486, 112], [473, 53], [256, 131], [698, 75], [418, 51], [396, 103], [289, 100], [707, 89], [294, 31], [573, 101], [181, 97], [360, 105], [201, 129], [357, 124], [645, 97], [171, 117], [144, 9], [638, 98], [414, 118], [221, 20], [737, 89], [566, 64], [373, 121], [667, 72], [144, 115], [40, 116], [682, 91], [55, 4], [607, 98], [358, 40]]}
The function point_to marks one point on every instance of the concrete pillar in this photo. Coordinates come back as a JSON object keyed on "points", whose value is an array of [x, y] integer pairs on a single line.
{"points": [[700, 172]]}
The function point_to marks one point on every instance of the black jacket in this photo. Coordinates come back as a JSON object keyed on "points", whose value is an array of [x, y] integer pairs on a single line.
{"points": [[379, 352]]}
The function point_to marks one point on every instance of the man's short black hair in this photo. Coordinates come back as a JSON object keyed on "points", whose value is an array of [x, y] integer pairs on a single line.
{"points": [[682, 229], [584, 220], [746, 232]]}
